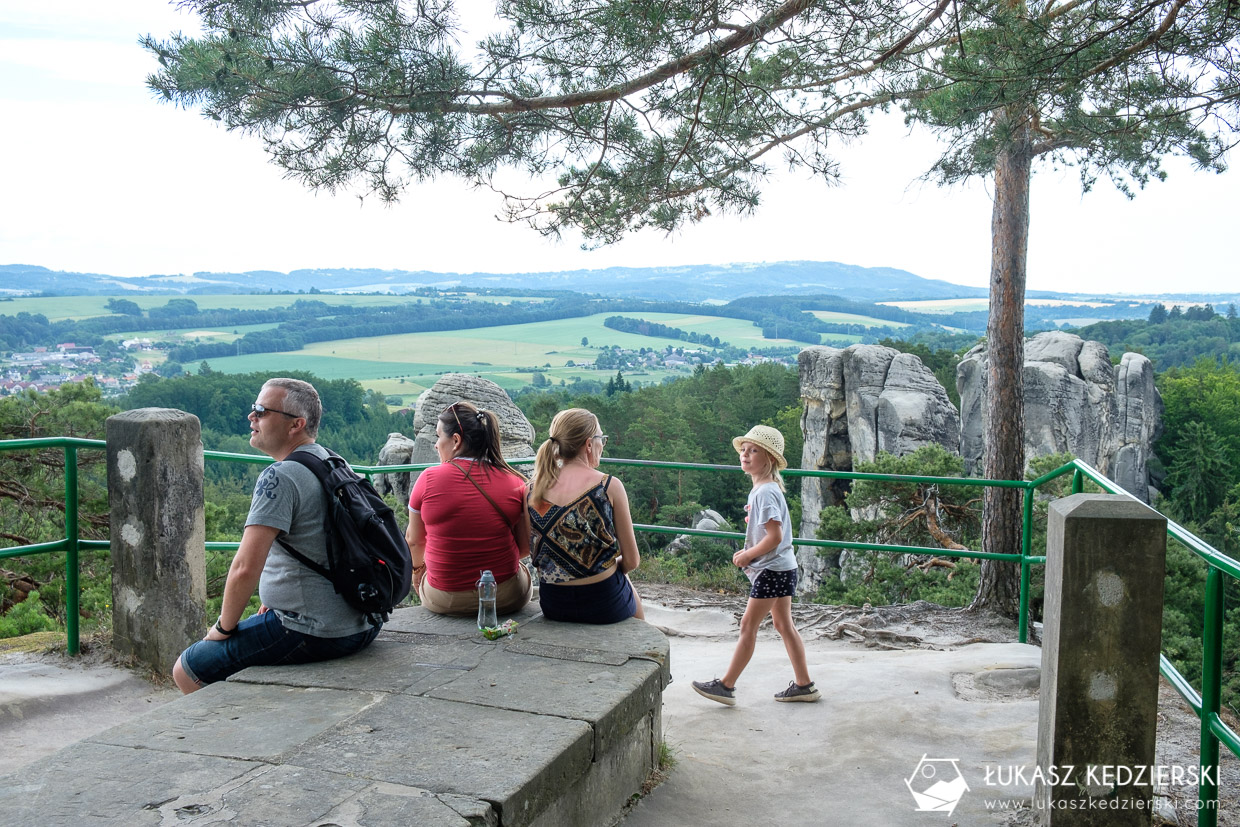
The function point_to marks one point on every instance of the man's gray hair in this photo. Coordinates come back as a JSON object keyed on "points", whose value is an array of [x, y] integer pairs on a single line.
{"points": [[302, 399]]}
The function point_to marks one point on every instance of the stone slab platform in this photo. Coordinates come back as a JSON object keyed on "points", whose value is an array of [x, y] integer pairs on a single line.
{"points": [[431, 725]]}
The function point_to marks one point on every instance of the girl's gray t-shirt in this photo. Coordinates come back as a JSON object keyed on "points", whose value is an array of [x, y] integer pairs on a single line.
{"points": [[304, 600], [766, 503]]}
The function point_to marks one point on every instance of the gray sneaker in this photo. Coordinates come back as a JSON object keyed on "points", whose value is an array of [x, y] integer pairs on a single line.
{"points": [[716, 691], [795, 692]]}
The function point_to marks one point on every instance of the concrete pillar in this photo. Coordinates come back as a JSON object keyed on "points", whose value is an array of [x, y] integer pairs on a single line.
{"points": [[159, 572], [1098, 710]]}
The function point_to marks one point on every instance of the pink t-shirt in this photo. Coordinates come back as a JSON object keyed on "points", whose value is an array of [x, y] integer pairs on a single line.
{"points": [[464, 532]]}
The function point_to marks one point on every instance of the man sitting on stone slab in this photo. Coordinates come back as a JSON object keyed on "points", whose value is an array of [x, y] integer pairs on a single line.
{"points": [[301, 619]]}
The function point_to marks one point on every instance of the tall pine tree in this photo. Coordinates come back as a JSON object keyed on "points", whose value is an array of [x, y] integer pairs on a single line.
{"points": [[646, 113]]}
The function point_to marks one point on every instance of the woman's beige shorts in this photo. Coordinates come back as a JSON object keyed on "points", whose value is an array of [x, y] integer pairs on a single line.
{"points": [[510, 595]]}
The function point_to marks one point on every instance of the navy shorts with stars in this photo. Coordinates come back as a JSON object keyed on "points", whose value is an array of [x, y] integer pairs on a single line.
{"points": [[770, 584]]}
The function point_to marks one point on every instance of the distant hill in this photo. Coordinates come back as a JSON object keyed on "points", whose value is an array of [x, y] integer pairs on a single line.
{"points": [[688, 283], [694, 283]]}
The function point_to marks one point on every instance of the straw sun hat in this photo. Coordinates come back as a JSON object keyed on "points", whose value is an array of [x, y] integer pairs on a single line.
{"points": [[767, 438]]}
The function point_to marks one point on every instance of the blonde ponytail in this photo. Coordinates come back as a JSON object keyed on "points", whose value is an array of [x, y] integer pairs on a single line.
{"points": [[569, 432]]}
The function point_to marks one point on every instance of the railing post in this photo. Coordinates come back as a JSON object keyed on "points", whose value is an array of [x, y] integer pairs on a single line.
{"points": [[1026, 540], [1211, 695], [1098, 705], [1078, 481], [155, 499], [72, 586]]}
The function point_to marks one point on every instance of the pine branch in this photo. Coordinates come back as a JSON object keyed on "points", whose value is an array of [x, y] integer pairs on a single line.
{"points": [[1140, 45], [713, 51]]}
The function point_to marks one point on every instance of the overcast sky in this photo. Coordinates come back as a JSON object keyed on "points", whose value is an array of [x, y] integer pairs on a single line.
{"points": [[99, 177]]}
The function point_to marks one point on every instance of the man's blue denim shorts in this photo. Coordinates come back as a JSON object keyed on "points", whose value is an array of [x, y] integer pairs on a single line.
{"points": [[262, 640]]}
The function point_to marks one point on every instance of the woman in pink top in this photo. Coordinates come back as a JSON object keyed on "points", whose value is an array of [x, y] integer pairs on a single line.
{"points": [[468, 514]]}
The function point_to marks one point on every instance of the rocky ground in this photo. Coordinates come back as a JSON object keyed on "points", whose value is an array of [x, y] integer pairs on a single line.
{"points": [[1179, 741], [924, 625], [919, 625], [49, 700]]}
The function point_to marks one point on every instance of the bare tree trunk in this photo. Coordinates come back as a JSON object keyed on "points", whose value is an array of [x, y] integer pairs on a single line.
{"points": [[999, 587]]}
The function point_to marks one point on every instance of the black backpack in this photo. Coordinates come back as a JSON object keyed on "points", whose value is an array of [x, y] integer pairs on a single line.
{"points": [[368, 560]]}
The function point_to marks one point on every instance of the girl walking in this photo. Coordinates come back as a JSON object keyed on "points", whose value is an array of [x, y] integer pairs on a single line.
{"points": [[771, 566]]}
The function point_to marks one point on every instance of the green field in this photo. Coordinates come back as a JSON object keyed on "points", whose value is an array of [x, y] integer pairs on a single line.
{"points": [[832, 317], [940, 306], [381, 362], [408, 379], [736, 332], [1078, 321], [537, 343], [56, 308], [201, 335], [406, 364], [493, 299]]}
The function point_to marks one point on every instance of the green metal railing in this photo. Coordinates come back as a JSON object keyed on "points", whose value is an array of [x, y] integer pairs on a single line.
{"points": [[1206, 704], [70, 544]]}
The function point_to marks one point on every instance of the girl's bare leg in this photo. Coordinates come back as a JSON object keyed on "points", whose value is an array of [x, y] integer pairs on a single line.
{"points": [[755, 612], [781, 617]]}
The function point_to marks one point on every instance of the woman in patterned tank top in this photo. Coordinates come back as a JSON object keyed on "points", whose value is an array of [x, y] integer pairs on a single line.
{"points": [[581, 531]]}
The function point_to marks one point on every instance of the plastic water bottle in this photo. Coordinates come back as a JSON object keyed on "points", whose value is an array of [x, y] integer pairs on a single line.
{"points": [[486, 601]]}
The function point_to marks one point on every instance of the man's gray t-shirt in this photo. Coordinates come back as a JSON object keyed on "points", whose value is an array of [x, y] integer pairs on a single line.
{"points": [[766, 503], [288, 496]]}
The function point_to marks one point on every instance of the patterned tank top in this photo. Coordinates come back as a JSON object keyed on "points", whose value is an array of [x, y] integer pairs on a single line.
{"points": [[569, 542]]}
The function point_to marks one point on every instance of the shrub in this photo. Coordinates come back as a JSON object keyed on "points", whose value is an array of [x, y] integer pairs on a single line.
{"points": [[26, 618], [886, 582]]}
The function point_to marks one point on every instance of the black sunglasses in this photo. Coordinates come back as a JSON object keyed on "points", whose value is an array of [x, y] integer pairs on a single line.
{"points": [[260, 411]]}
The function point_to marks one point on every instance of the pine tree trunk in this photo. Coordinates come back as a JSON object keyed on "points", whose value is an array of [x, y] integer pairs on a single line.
{"points": [[999, 586]]}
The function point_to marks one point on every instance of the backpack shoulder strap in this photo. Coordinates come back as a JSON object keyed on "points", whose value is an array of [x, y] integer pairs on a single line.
{"points": [[494, 505], [321, 469]]}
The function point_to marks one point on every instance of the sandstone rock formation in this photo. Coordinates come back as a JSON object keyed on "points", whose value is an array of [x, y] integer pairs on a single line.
{"points": [[396, 451], [871, 398], [859, 401], [1139, 426], [705, 520], [516, 432], [866, 398], [1075, 402]]}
